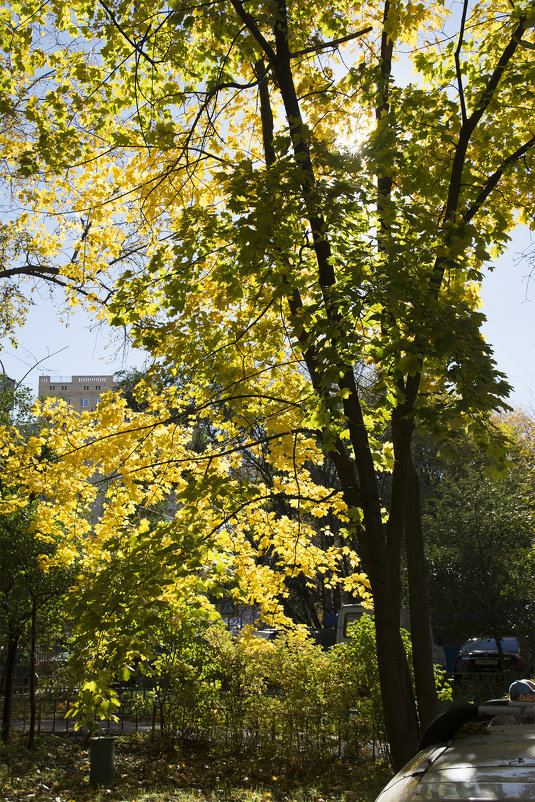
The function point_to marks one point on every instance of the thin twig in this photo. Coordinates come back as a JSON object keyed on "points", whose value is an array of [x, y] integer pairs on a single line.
{"points": [[123, 33], [458, 62]]}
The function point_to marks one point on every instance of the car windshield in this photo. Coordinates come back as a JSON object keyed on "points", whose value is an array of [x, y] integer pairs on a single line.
{"points": [[489, 645]]}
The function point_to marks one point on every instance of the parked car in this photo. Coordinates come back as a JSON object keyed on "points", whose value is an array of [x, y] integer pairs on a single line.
{"points": [[468, 754], [267, 634], [482, 655], [349, 613]]}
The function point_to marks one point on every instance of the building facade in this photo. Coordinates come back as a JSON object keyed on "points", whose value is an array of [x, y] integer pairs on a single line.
{"points": [[81, 392], [7, 390]]}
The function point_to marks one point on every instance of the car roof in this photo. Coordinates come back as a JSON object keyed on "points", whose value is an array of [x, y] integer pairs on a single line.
{"points": [[509, 643], [481, 763]]}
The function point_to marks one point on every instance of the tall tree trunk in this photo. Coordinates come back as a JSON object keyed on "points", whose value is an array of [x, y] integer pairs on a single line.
{"points": [[9, 669], [401, 721], [357, 477], [31, 734], [422, 649]]}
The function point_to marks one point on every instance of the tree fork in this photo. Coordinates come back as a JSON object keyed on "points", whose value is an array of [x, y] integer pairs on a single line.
{"points": [[401, 719]]}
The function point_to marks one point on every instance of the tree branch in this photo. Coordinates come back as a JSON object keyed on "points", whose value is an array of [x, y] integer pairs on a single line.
{"points": [[469, 126], [527, 23], [495, 177], [332, 43], [130, 41], [458, 63], [36, 271], [252, 27]]}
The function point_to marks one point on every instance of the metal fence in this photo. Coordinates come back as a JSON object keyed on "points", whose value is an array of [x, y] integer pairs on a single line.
{"points": [[262, 722], [137, 712]]}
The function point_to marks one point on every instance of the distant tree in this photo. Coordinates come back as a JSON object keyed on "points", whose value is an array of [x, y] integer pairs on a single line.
{"points": [[480, 535], [28, 602]]}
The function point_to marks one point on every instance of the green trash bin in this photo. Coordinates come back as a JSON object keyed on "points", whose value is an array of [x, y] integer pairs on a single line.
{"points": [[101, 761]]}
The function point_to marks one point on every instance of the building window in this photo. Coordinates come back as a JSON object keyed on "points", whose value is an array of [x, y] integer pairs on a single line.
{"points": [[86, 388], [63, 386], [84, 403], [52, 386]]}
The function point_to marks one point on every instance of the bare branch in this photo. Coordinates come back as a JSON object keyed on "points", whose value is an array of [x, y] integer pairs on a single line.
{"points": [[333, 43], [458, 62]]}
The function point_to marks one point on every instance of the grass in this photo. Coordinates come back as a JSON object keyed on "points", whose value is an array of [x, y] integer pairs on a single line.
{"points": [[154, 770]]}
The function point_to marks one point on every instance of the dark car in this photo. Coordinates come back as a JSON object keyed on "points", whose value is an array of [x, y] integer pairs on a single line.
{"points": [[482, 655], [472, 752]]}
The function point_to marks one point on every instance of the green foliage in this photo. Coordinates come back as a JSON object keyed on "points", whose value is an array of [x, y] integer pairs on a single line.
{"points": [[283, 694], [23, 580], [358, 679], [479, 536], [184, 674], [354, 663], [15, 404]]}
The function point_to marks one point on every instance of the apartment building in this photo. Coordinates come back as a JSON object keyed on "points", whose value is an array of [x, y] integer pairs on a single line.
{"points": [[81, 392], [7, 389]]}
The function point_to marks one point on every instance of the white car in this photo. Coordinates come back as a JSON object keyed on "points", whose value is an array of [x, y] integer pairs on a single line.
{"points": [[472, 752]]}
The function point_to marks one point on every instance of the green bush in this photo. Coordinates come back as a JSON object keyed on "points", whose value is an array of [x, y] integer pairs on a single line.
{"points": [[356, 692], [183, 676], [287, 696], [271, 692]]}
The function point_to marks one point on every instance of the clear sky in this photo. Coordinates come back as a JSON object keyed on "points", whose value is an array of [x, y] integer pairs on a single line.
{"points": [[509, 304], [50, 344], [77, 346]]}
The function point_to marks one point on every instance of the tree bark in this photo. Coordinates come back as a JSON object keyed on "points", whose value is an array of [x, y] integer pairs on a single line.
{"points": [[31, 734], [9, 668], [422, 650]]}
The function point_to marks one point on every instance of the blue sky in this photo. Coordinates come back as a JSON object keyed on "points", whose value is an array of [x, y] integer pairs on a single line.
{"points": [[509, 304], [77, 346], [67, 345]]}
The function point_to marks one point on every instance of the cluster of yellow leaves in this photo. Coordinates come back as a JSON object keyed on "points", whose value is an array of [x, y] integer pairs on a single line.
{"points": [[104, 483]]}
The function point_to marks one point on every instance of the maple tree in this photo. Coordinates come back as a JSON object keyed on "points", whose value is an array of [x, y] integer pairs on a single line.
{"points": [[300, 237]]}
